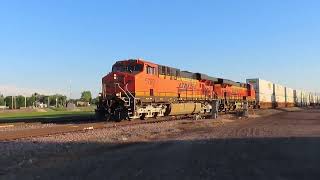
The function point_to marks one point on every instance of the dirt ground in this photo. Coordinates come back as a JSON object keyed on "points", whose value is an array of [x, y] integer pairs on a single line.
{"points": [[279, 146]]}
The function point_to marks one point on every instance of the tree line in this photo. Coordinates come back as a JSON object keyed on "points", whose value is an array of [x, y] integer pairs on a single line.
{"points": [[57, 100], [17, 102]]}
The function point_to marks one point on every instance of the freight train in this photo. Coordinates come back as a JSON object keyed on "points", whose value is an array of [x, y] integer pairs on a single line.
{"points": [[138, 89]]}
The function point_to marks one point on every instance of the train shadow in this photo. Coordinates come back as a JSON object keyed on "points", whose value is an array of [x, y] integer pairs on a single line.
{"points": [[240, 158]]}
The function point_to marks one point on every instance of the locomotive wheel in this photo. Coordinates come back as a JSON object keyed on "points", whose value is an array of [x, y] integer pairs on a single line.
{"points": [[155, 115], [120, 114], [143, 116], [102, 115], [107, 117], [99, 115]]}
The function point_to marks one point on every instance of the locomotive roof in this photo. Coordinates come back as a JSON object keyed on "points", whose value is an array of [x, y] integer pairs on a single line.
{"points": [[133, 61], [191, 75]]}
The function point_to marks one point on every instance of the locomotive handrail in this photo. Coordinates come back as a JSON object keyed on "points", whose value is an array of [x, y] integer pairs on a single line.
{"points": [[129, 91], [134, 99], [124, 92]]}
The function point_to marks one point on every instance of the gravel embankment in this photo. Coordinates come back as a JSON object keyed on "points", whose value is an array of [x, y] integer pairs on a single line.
{"points": [[24, 126], [57, 150]]}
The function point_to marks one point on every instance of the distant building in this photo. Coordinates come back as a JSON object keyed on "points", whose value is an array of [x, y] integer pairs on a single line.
{"points": [[71, 106], [41, 105], [4, 107], [82, 104]]}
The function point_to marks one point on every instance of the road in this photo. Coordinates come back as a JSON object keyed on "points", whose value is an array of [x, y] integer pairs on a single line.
{"points": [[281, 146]]}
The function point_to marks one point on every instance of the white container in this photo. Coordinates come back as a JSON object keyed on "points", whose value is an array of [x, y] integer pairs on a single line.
{"points": [[313, 98], [279, 93], [289, 95], [263, 88], [305, 98], [298, 97], [308, 98]]}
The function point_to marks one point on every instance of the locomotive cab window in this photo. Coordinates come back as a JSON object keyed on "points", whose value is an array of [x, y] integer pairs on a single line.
{"points": [[127, 68], [168, 71], [151, 70], [162, 70]]}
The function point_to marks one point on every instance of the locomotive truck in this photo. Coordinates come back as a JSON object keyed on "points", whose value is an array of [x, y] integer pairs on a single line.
{"points": [[138, 89]]}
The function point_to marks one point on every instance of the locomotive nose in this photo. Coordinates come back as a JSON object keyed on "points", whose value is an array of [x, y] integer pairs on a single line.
{"points": [[121, 78], [115, 80]]}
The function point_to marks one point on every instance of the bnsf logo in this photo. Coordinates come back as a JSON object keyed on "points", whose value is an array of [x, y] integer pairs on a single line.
{"points": [[186, 86]]}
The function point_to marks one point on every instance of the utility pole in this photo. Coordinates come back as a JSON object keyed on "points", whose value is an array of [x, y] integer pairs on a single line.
{"points": [[70, 90], [25, 101], [15, 102], [48, 101], [12, 103]]}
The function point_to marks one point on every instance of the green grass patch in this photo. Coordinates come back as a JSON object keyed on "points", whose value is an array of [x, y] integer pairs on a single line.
{"points": [[49, 114]]}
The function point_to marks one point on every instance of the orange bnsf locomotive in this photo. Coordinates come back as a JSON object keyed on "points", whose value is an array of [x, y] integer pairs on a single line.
{"points": [[137, 89]]}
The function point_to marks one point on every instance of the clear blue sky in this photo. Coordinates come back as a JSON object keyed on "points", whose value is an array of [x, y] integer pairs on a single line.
{"points": [[47, 44]]}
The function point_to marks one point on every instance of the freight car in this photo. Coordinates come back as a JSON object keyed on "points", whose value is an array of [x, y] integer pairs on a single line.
{"points": [[139, 89], [271, 95]]}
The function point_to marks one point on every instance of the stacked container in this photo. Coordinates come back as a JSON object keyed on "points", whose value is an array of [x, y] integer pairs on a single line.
{"points": [[279, 95], [313, 99], [270, 95], [264, 92], [298, 98], [308, 99], [289, 97], [305, 98]]}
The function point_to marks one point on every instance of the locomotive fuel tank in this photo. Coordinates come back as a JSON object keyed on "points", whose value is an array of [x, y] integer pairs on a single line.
{"points": [[184, 108]]}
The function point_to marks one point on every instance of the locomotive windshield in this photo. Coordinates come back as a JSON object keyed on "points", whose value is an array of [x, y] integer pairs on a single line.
{"points": [[127, 68]]}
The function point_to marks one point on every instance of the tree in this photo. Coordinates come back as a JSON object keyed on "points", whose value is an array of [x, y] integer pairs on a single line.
{"points": [[8, 100], [86, 96], [45, 100], [62, 100], [57, 99], [20, 100], [95, 100], [2, 102], [31, 100]]}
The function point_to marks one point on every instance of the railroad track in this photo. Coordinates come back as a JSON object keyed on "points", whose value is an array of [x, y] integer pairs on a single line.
{"points": [[69, 128], [78, 127]]}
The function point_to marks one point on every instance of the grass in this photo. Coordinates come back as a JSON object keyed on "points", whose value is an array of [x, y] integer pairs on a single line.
{"points": [[49, 114]]}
